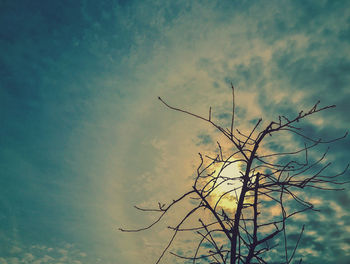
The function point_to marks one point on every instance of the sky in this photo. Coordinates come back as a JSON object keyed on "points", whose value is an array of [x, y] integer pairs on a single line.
{"points": [[83, 137]]}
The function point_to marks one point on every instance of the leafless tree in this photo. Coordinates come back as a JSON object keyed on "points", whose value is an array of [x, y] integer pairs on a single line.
{"points": [[263, 180]]}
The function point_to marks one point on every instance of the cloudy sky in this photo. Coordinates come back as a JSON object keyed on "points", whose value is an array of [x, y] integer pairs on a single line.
{"points": [[83, 137]]}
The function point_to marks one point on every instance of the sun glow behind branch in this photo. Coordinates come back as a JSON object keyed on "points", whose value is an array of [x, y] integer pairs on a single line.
{"points": [[226, 185]]}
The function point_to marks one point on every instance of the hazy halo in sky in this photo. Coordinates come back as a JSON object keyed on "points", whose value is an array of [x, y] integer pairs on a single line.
{"points": [[84, 137]]}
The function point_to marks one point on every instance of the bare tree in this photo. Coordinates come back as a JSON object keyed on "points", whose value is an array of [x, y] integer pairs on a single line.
{"points": [[237, 229]]}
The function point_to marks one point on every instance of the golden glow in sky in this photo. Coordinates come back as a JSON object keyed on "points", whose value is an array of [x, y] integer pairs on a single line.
{"points": [[227, 188]]}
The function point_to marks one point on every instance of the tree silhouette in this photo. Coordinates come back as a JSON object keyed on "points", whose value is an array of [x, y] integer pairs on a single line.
{"points": [[238, 229]]}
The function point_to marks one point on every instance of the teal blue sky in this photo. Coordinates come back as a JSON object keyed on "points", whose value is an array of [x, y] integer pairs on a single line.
{"points": [[83, 137]]}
